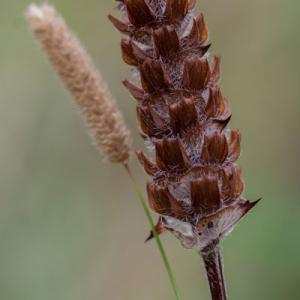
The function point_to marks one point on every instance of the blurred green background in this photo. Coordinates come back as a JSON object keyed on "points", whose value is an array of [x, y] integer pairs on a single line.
{"points": [[70, 225]]}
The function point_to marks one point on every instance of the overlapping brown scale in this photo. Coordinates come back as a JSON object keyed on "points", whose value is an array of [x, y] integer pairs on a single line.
{"points": [[205, 194], [159, 228], [119, 25], [215, 148], [231, 215], [149, 166], [170, 155], [163, 202], [199, 50], [158, 200], [192, 4], [166, 41], [246, 206], [154, 76], [215, 70], [139, 12], [132, 54], [196, 73], [218, 147], [199, 32], [176, 10], [232, 184], [127, 53], [217, 107], [135, 91], [234, 146], [151, 122], [183, 114]]}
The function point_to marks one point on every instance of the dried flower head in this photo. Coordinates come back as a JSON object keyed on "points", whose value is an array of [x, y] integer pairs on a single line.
{"points": [[197, 188], [75, 68]]}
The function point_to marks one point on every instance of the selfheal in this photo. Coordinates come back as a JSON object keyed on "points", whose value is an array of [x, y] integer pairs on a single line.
{"points": [[196, 187]]}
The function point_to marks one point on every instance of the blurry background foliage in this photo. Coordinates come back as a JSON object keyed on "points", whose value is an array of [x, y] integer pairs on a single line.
{"points": [[70, 226]]}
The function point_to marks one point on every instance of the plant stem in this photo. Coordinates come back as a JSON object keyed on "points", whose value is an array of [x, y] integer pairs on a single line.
{"points": [[212, 256], [156, 237]]}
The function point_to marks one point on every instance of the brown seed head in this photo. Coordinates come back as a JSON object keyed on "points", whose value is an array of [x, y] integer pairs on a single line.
{"points": [[196, 186], [72, 63]]}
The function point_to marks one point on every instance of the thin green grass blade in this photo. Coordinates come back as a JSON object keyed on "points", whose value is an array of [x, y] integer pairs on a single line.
{"points": [[156, 237]]}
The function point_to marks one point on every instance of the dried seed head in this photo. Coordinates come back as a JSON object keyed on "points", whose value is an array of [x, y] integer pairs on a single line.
{"points": [[72, 63], [196, 187]]}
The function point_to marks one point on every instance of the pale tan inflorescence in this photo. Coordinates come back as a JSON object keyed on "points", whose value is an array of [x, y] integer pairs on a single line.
{"points": [[91, 94]]}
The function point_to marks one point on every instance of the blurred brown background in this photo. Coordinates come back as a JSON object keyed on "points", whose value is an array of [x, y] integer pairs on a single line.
{"points": [[70, 225]]}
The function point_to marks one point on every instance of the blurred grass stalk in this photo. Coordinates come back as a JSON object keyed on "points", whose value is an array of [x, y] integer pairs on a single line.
{"points": [[97, 106]]}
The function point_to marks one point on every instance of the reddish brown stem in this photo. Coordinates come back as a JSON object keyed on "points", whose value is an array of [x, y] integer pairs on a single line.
{"points": [[212, 257]]}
